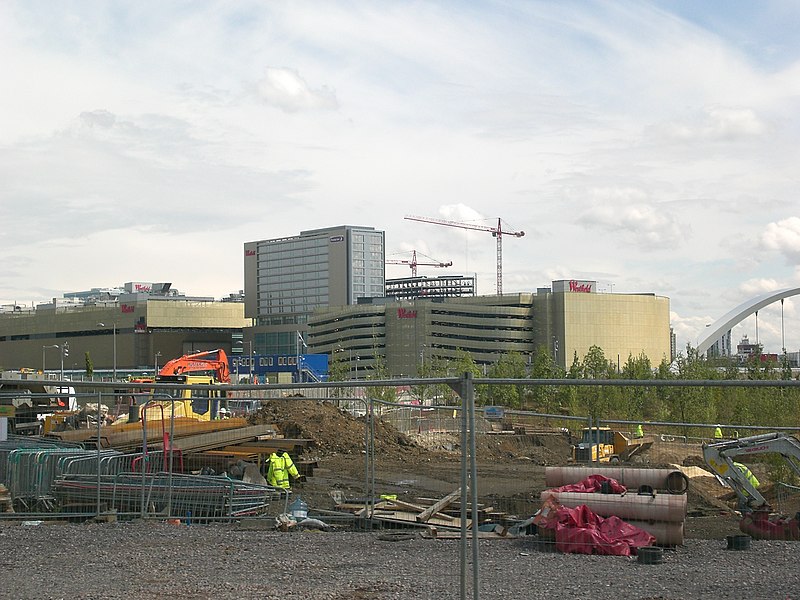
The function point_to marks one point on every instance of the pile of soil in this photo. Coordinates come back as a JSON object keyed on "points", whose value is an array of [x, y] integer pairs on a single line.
{"points": [[544, 450], [334, 431]]}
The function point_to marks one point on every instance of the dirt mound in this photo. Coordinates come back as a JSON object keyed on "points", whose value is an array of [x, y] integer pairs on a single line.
{"points": [[542, 449], [332, 429]]}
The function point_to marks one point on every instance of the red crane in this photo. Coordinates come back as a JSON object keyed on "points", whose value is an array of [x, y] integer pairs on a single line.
{"points": [[496, 232], [413, 263]]}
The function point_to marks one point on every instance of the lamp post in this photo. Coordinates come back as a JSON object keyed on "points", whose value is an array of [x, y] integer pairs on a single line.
{"points": [[64, 352], [114, 334], [43, 349], [155, 367], [252, 362]]}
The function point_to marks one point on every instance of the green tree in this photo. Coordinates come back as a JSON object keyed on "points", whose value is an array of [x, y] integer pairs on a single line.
{"points": [[89, 364], [338, 370], [379, 371], [433, 367], [510, 366]]}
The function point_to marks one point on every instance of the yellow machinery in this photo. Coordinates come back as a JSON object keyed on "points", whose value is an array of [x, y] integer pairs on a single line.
{"points": [[602, 444], [198, 404]]}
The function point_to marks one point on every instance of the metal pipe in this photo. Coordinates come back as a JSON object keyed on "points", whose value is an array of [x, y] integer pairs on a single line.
{"points": [[671, 480], [669, 508], [469, 393], [464, 492], [99, 401]]}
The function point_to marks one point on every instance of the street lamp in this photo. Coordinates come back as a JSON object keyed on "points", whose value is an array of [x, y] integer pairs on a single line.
{"points": [[252, 362], [155, 367], [64, 352], [43, 349], [114, 334]]}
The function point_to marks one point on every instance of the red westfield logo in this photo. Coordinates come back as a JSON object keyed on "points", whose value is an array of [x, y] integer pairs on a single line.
{"points": [[404, 313], [575, 286]]}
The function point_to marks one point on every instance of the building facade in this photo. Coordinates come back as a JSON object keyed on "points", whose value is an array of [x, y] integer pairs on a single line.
{"points": [[121, 331], [286, 279], [401, 334]]}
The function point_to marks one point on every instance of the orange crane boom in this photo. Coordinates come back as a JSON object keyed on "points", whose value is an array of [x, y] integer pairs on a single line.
{"points": [[496, 232], [413, 263]]}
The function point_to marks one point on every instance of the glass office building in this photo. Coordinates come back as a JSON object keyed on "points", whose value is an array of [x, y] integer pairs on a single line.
{"points": [[286, 279]]}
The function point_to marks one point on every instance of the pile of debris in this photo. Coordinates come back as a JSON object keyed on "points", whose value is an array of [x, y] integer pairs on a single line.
{"points": [[334, 431]]}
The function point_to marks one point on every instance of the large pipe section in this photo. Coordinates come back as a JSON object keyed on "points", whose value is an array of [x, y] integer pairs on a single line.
{"points": [[670, 480], [645, 507], [666, 534]]}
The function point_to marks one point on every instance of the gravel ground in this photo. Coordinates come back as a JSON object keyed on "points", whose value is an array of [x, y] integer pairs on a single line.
{"points": [[139, 559]]}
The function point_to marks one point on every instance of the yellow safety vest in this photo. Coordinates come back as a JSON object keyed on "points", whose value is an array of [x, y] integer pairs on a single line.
{"points": [[748, 474], [280, 467], [718, 434]]}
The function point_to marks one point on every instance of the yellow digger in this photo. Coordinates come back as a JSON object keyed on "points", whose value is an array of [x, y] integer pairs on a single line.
{"points": [[602, 444]]}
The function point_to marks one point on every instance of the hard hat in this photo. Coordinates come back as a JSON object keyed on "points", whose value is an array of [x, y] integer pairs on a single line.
{"points": [[223, 411]]}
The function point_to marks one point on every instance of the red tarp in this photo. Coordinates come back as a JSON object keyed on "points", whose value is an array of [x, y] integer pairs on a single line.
{"points": [[592, 484], [579, 530]]}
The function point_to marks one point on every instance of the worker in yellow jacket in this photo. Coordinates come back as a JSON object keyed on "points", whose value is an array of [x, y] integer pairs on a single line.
{"points": [[751, 479], [280, 468]]}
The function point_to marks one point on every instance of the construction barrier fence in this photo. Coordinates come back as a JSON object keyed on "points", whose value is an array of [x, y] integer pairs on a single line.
{"points": [[481, 485]]}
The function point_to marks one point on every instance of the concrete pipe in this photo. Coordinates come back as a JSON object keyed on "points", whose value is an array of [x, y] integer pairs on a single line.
{"points": [[661, 507], [671, 480], [666, 534]]}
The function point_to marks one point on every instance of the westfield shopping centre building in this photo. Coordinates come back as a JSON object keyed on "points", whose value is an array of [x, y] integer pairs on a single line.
{"points": [[566, 319]]}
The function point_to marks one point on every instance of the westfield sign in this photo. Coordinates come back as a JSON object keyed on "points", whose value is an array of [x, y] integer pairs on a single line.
{"points": [[580, 286]]}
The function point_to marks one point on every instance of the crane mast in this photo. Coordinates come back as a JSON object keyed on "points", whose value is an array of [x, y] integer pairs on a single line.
{"points": [[413, 263], [496, 232]]}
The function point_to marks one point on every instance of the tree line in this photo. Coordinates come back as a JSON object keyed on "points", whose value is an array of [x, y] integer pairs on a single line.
{"points": [[776, 407]]}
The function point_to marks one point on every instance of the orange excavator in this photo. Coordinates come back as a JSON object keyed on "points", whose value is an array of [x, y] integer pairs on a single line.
{"points": [[205, 402], [213, 363]]}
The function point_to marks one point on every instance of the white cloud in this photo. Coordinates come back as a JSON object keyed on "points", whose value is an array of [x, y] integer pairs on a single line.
{"points": [[784, 237], [631, 145], [648, 226], [714, 124], [285, 89]]}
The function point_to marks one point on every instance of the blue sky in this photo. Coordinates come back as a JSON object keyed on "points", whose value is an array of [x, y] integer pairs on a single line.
{"points": [[651, 146]]}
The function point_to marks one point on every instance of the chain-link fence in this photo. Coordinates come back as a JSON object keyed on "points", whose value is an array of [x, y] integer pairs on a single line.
{"points": [[458, 471]]}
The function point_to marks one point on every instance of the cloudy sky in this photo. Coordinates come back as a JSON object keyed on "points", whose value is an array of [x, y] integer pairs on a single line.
{"points": [[646, 145]]}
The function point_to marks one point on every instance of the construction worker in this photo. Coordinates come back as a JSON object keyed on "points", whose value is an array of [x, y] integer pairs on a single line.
{"points": [[751, 479], [280, 468], [638, 432], [718, 433]]}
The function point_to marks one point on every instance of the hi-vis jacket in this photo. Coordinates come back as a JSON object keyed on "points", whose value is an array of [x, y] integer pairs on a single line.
{"points": [[280, 468]]}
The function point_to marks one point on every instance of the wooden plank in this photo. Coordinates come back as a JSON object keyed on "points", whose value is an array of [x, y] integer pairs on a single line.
{"points": [[438, 506], [409, 517], [417, 508]]}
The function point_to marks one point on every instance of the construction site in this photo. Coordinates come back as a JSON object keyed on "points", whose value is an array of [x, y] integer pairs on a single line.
{"points": [[382, 487]]}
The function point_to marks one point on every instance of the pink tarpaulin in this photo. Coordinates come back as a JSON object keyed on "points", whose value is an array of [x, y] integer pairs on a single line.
{"points": [[592, 484], [579, 530]]}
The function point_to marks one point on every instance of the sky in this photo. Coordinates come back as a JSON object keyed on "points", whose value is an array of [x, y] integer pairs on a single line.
{"points": [[650, 146]]}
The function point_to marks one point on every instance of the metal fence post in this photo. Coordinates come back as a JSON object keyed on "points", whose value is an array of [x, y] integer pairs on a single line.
{"points": [[469, 395], [99, 401]]}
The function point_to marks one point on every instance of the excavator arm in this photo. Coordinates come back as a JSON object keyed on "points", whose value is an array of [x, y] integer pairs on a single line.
{"points": [[719, 458], [211, 362], [759, 523]]}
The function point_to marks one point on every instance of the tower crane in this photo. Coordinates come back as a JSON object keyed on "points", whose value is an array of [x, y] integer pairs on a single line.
{"points": [[413, 263], [496, 232]]}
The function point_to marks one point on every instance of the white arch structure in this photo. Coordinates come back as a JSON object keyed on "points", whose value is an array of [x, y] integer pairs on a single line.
{"points": [[726, 322]]}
